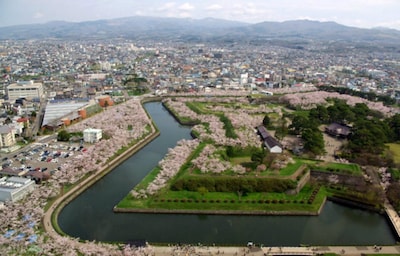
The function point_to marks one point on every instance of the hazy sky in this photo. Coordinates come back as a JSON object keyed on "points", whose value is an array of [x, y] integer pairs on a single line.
{"points": [[359, 13]]}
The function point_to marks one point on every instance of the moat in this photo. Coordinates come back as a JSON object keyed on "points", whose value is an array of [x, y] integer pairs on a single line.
{"points": [[90, 216]]}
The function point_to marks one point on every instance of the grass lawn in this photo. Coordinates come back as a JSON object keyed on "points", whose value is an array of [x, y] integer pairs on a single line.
{"points": [[353, 169], [239, 160], [395, 149], [185, 200]]}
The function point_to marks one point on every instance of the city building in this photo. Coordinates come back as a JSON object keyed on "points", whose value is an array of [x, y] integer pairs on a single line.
{"points": [[24, 89], [14, 188], [92, 135], [7, 136]]}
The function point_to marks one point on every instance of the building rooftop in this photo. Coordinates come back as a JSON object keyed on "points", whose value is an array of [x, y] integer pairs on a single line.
{"points": [[59, 110]]}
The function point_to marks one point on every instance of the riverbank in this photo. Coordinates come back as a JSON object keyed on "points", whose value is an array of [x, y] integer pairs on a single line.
{"points": [[282, 250], [50, 217], [162, 226]]}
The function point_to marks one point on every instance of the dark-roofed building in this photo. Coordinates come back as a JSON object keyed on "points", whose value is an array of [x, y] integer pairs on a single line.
{"points": [[338, 130], [269, 142]]}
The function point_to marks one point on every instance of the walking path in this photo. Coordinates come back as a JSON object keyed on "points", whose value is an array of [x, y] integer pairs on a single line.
{"points": [[263, 251], [393, 216]]}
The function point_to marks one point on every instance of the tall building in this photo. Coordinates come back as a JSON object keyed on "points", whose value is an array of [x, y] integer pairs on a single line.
{"points": [[24, 89], [7, 136]]}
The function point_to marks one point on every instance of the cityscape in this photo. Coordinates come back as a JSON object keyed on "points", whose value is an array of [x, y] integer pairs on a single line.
{"points": [[278, 124]]}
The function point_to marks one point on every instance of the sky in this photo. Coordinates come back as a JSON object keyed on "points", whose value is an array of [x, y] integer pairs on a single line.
{"points": [[357, 13]]}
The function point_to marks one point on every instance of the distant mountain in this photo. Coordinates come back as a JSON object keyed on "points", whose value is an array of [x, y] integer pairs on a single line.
{"points": [[138, 27]]}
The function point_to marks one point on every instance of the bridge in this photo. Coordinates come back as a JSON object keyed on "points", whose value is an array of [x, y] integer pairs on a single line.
{"points": [[393, 216]]}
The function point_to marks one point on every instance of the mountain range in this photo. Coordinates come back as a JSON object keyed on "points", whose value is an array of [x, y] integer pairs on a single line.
{"points": [[139, 27]]}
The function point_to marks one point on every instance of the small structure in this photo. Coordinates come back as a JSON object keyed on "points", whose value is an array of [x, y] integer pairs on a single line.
{"points": [[270, 142], [92, 135], [105, 101], [338, 130], [14, 188]]}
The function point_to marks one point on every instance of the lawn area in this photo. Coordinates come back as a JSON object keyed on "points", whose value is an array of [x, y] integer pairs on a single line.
{"points": [[239, 160], [353, 169], [185, 200], [395, 149], [291, 168]]}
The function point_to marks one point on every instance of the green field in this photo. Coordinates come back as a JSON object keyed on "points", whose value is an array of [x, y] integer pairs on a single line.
{"points": [[186, 200], [395, 149]]}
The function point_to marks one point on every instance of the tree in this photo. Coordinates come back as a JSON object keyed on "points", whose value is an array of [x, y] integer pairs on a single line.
{"points": [[282, 129], [202, 190], [63, 135], [313, 141], [319, 113], [299, 123], [394, 124], [266, 121]]}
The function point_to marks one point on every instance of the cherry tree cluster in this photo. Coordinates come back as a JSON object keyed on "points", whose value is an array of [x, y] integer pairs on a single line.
{"points": [[21, 219], [129, 123], [209, 161], [243, 119], [243, 91], [181, 109], [169, 167], [311, 99]]}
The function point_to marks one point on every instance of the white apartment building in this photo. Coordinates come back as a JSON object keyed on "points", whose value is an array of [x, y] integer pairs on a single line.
{"points": [[7, 136], [24, 89], [91, 135]]}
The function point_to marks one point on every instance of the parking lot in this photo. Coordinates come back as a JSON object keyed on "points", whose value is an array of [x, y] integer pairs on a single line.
{"points": [[39, 160]]}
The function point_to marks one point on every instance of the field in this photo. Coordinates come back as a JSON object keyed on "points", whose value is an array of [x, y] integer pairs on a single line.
{"points": [[395, 149]]}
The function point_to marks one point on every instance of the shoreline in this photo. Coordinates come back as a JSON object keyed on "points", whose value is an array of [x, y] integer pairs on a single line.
{"points": [[51, 215], [80, 187]]}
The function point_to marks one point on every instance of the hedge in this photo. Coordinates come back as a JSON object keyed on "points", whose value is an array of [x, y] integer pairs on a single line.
{"points": [[233, 184]]}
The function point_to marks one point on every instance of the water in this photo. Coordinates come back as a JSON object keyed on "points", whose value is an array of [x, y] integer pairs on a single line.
{"points": [[90, 215]]}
